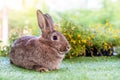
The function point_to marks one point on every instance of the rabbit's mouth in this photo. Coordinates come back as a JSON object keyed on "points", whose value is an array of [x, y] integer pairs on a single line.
{"points": [[64, 52], [61, 54]]}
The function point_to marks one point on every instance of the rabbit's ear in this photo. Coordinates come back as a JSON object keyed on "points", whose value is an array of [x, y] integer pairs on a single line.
{"points": [[49, 22], [41, 20]]}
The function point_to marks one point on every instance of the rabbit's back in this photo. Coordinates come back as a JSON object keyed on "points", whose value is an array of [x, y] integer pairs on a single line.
{"points": [[21, 51], [22, 41]]}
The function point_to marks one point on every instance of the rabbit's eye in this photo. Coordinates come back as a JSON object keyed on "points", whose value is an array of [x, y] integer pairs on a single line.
{"points": [[55, 38]]}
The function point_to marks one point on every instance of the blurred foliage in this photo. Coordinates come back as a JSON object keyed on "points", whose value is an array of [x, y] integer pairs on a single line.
{"points": [[84, 28], [101, 36], [23, 20], [118, 51], [4, 49]]}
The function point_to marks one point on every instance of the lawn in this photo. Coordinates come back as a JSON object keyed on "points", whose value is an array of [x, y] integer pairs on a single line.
{"points": [[81, 68]]}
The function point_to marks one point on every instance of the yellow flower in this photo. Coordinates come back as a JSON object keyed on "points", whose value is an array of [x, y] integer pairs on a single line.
{"points": [[73, 41], [107, 24], [92, 35], [78, 35], [84, 41], [70, 36], [105, 43], [105, 47], [79, 41], [109, 46], [88, 38], [64, 33], [110, 28], [111, 52], [115, 31], [115, 36]]}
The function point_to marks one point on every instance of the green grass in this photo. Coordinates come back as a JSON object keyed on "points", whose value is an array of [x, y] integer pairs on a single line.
{"points": [[82, 68]]}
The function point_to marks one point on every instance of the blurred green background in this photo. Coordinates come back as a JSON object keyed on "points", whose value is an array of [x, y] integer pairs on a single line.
{"points": [[85, 23]]}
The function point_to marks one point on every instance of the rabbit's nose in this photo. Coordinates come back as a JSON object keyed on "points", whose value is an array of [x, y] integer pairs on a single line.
{"points": [[68, 48]]}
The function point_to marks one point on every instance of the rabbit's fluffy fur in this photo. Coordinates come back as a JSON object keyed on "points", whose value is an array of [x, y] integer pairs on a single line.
{"points": [[40, 53]]}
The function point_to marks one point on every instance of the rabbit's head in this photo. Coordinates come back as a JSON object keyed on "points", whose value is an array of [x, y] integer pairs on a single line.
{"points": [[51, 37]]}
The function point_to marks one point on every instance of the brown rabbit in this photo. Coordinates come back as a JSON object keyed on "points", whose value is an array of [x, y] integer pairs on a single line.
{"points": [[40, 53]]}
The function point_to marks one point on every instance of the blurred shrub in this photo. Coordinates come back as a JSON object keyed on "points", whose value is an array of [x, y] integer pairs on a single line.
{"points": [[23, 20], [118, 51], [101, 37], [4, 49], [84, 28]]}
